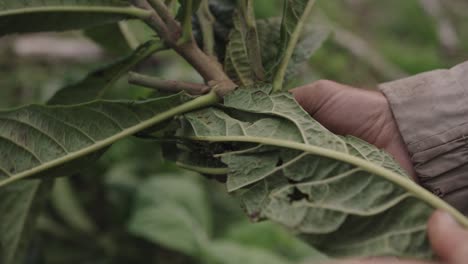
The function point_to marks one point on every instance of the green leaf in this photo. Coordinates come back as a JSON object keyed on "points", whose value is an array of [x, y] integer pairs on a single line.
{"points": [[65, 201], [98, 82], [22, 201], [20, 205], [110, 38], [310, 41], [136, 32], [237, 62], [342, 194], [274, 238], [295, 15], [226, 252], [58, 15], [243, 59], [42, 140], [173, 212]]}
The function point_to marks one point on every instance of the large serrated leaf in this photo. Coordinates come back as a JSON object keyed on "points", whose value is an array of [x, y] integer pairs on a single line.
{"points": [[98, 82], [342, 194], [58, 15], [43, 140]]}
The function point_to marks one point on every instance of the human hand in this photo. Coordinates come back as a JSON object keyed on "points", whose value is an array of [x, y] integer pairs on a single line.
{"points": [[448, 239], [365, 114]]}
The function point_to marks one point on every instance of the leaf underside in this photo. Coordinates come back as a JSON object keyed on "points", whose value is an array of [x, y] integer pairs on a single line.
{"points": [[48, 141], [17, 16], [237, 61], [341, 209]]}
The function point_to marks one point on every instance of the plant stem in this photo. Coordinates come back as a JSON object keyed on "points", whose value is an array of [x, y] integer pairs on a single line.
{"points": [[187, 24], [211, 71], [154, 20], [167, 85], [165, 14], [283, 66], [197, 103], [403, 182], [207, 21]]}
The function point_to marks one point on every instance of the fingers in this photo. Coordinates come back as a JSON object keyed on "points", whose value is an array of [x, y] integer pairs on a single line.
{"points": [[448, 238]]}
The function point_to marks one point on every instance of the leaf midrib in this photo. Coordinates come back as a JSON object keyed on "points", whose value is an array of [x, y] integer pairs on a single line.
{"points": [[199, 102], [366, 165]]}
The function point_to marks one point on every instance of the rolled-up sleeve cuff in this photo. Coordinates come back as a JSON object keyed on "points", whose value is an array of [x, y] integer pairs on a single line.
{"points": [[431, 110]]}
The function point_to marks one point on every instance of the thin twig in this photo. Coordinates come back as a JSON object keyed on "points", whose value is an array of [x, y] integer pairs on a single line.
{"points": [[155, 21], [167, 85], [165, 14], [211, 71]]}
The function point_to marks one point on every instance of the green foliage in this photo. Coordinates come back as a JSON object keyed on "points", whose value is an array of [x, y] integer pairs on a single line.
{"points": [[270, 38], [324, 186], [57, 140], [98, 82], [173, 212], [339, 194], [295, 15], [22, 201], [238, 61], [110, 38], [54, 15]]}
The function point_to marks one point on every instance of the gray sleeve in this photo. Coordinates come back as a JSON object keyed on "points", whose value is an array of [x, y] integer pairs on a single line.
{"points": [[431, 110]]}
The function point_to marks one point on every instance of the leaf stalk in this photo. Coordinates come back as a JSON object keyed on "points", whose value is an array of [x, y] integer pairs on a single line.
{"points": [[197, 103], [167, 85]]}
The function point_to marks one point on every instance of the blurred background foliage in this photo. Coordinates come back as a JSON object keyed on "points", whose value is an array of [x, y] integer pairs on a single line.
{"points": [[133, 207]]}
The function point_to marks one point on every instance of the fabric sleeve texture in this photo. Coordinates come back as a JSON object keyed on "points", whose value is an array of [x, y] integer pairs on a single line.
{"points": [[431, 110]]}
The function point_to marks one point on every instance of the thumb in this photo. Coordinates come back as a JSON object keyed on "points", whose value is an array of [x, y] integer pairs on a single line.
{"points": [[313, 96], [448, 238]]}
